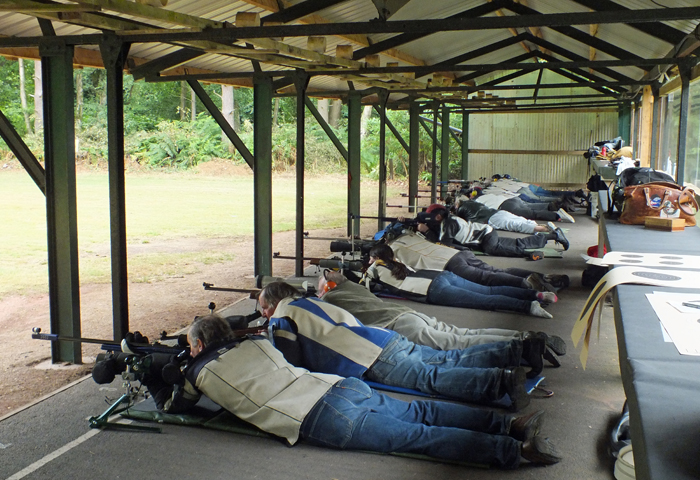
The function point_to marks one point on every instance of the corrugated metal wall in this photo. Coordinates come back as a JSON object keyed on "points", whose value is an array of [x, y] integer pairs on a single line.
{"points": [[551, 131]]}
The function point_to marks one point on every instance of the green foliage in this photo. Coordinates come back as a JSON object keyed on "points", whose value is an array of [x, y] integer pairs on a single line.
{"points": [[177, 144], [10, 103], [156, 136]]}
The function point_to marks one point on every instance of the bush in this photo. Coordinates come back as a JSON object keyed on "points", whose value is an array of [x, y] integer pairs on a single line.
{"points": [[177, 144]]}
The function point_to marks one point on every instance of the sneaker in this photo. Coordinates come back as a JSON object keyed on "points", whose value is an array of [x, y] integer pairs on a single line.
{"points": [[558, 281], [561, 239], [535, 282], [565, 217], [552, 227], [547, 297], [536, 310]]}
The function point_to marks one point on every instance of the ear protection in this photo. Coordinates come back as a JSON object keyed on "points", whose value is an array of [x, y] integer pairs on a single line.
{"points": [[329, 286]]}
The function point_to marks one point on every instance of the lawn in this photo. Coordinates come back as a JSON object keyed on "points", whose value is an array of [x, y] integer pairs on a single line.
{"points": [[160, 207]]}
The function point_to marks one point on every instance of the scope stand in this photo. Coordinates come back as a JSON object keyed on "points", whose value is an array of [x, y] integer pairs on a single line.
{"points": [[102, 421]]}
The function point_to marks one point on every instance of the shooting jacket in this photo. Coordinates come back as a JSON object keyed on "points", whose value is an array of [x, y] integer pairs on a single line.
{"points": [[328, 339], [493, 200], [414, 287], [364, 305], [252, 380], [473, 211], [457, 230], [418, 253]]}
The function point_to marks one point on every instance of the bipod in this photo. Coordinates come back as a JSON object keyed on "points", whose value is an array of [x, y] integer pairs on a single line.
{"points": [[102, 421]]}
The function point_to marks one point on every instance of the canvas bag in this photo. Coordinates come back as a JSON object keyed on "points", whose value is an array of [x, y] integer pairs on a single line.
{"points": [[651, 199]]}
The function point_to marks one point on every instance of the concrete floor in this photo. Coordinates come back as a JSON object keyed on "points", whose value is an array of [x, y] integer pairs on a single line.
{"points": [[51, 439]]}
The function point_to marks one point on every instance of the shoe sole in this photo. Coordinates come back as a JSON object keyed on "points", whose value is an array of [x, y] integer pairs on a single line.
{"points": [[557, 344], [551, 357], [519, 400]]}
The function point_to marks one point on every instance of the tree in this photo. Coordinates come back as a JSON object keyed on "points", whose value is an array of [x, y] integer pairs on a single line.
{"points": [[334, 116], [79, 98], [38, 98], [23, 97], [227, 109], [323, 108]]}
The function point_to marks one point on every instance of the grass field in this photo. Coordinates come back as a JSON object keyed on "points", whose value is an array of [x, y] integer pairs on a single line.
{"points": [[160, 207]]}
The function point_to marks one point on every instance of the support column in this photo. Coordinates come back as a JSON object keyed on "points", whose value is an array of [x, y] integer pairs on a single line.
{"points": [[623, 123], [354, 161], [114, 54], [655, 133], [465, 145], [445, 151], [433, 170], [646, 133], [262, 170], [300, 82], [61, 209], [381, 210], [684, 71], [413, 155]]}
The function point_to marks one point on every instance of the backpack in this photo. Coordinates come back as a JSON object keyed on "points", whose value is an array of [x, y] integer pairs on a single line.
{"points": [[596, 183]]}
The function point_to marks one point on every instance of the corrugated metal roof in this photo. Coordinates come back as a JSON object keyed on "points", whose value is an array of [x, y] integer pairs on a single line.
{"points": [[424, 49]]}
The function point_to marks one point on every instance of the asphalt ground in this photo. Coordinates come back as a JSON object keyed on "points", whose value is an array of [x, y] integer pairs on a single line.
{"points": [[52, 438]]}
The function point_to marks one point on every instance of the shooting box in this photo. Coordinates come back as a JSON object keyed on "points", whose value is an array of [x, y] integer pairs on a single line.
{"points": [[665, 224]]}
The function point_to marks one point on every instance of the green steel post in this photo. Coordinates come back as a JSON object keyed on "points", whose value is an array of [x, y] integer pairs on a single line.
{"points": [[465, 145], [623, 123], [61, 208], [381, 210], [445, 151], [413, 155], [300, 82], [433, 171], [114, 54], [354, 162], [262, 174]]}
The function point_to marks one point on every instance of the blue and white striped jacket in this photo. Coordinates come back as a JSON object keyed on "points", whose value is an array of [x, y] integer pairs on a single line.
{"points": [[331, 339]]}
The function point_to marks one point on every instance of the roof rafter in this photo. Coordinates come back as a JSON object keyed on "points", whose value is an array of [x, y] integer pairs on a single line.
{"points": [[404, 38], [656, 29], [300, 10], [577, 58], [357, 39]]}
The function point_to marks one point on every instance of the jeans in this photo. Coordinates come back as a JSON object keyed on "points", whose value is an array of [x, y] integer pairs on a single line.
{"points": [[471, 375], [510, 222], [454, 291], [531, 211], [511, 247], [468, 266], [352, 416]]}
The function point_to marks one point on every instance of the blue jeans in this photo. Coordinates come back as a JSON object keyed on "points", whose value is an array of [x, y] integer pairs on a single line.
{"points": [[471, 375], [352, 416], [454, 291]]}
